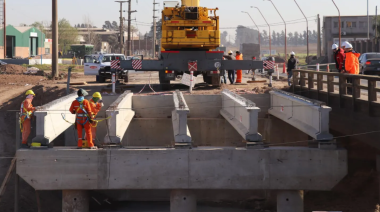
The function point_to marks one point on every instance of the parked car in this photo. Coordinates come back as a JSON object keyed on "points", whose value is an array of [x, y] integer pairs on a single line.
{"points": [[365, 57], [372, 67]]}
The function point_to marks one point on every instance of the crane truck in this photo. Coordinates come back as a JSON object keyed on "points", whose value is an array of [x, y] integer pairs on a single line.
{"points": [[189, 35]]}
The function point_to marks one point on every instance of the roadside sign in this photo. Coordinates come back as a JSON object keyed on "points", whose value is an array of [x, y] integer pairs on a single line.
{"points": [[186, 80]]}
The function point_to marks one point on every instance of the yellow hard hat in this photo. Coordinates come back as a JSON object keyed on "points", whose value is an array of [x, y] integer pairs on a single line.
{"points": [[97, 95], [30, 92]]}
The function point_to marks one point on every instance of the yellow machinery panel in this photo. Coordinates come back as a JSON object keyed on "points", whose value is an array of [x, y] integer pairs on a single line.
{"points": [[190, 3], [190, 27]]}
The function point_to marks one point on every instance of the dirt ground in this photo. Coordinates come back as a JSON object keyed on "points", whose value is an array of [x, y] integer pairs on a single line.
{"points": [[357, 192]]}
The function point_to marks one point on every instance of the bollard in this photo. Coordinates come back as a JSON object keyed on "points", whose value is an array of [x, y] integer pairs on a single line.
{"points": [[328, 67], [113, 82], [68, 81], [278, 72], [191, 81], [317, 66], [283, 68]]}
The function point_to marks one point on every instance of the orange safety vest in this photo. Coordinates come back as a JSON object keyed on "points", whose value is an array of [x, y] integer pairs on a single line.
{"points": [[352, 62]]}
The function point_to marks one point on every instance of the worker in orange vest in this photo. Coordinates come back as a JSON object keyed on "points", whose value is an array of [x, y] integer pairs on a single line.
{"points": [[26, 113], [351, 63], [84, 118], [239, 73], [96, 104]]}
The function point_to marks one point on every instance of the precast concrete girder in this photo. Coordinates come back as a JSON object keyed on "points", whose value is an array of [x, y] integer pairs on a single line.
{"points": [[50, 122], [181, 131], [309, 116], [242, 114], [121, 115], [274, 168]]}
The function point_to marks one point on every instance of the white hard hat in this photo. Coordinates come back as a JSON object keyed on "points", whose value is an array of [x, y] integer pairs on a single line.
{"points": [[334, 46], [345, 43], [348, 45], [230, 52], [292, 53]]}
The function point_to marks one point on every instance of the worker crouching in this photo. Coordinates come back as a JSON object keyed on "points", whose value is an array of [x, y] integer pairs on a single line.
{"points": [[26, 113], [96, 104], [84, 118]]}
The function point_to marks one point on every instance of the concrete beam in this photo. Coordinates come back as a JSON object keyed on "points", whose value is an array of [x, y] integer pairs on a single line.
{"points": [[277, 168], [121, 114], [309, 116], [181, 131], [242, 114], [49, 121]]}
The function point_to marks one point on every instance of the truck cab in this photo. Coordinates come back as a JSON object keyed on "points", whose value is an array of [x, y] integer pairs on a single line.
{"points": [[99, 65]]}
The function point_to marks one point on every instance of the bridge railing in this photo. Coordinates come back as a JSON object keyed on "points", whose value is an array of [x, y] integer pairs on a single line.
{"points": [[325, 82]]}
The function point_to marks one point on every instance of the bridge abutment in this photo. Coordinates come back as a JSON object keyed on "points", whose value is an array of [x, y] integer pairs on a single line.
{"points": [[75, 201], [183, 201], [290, 201]]}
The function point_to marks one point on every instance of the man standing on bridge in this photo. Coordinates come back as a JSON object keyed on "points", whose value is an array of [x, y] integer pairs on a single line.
{"points": [[26, 112], [339, 57], [239, 73], [291, 65], [231, 73], [351, 63], [81, 107]]}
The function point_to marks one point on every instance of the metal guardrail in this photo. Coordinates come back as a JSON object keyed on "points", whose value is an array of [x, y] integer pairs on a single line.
{"points": [[306, 80]]}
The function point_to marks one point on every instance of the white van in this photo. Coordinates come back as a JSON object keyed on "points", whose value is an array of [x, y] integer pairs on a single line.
{"points": [[92, 65]]}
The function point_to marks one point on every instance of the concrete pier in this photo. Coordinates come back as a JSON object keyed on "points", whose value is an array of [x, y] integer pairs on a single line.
{"points": [[183, 201], [181, 131], [290, 201], [75, 201]]}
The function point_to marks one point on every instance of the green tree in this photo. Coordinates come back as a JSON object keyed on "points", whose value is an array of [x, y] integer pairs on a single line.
{"points": [[67, 35]]}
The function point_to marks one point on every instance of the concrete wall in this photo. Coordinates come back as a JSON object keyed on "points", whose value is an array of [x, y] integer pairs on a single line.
{"points": [[279, 168]]}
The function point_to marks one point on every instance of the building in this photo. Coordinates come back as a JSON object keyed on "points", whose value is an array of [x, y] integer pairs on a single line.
{"points": [[353, 28], [22, 42]]}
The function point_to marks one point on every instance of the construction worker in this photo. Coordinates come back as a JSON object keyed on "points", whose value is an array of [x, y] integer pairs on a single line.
{"points": [[351, 63], [339, 57], [96, 104], [26, 111], [231, 73], [292, 62], [239, 73], [84, 116]]}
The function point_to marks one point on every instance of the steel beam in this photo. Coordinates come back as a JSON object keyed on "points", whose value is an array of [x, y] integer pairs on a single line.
{"points": [[49, 119], [182, 136], [242, 114], [121, 115], [309, 116]]}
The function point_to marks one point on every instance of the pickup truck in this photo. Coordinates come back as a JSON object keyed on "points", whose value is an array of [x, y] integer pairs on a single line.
{"points": [[100, 66]]}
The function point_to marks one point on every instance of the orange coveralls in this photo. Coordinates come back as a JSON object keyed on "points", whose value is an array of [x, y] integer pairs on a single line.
{"points": [[26, 107], [239, 73], [352, 62], [83, 120], [95, 108]]}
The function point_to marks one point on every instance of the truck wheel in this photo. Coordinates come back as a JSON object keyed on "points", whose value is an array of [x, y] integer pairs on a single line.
{"points": [[164, 83], [102, 79], [207, 79], [215, 80]]}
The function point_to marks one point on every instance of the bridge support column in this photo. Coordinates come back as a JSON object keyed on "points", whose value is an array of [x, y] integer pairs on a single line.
{"points": [[183, 201], [290, 201], [75, 201]]}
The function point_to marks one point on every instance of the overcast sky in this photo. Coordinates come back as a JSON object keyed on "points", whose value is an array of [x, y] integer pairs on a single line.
{"points": [[28, 11]]}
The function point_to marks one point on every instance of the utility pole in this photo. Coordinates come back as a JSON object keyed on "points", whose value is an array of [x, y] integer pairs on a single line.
{"points": [[54, 67], [5, 30], [146, 45], [129, 29], [139, 42], [376, 26], [307, 30], [154, 28], [368, 20], [121, 27], [319, 50]]}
